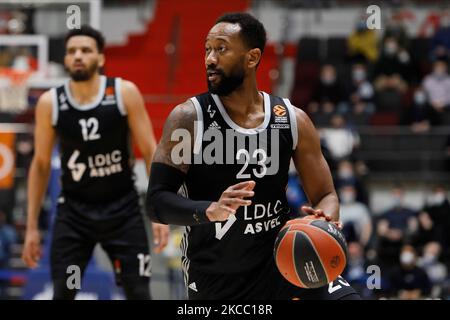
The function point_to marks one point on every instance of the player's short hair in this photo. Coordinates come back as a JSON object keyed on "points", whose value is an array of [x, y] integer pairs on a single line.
{"points": [[88, 31], [252, 30]]}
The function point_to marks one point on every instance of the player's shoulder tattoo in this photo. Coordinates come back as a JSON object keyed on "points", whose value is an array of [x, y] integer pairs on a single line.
{"points": [[181, 118]]}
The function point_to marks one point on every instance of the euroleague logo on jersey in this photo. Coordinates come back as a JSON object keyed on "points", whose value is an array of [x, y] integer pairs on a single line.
{"points": [[110, 96], [280, 115], [279, 111]]}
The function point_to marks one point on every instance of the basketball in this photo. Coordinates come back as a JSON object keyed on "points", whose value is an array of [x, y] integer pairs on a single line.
{"points": [[310, 253]]}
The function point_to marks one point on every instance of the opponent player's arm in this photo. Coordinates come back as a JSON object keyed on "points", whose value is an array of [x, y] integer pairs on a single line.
{"points": [[139, 121], [313, 169], [44, 140], [168, 174]]}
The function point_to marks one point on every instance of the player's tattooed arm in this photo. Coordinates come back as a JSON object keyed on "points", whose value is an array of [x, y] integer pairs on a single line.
{"points": [[181, 118], [314, 171]]}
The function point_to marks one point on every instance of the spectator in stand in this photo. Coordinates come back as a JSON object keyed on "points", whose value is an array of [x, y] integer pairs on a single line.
{"points": [[355, 270], [437, 87], [420, 115], [391, 73], [346, 175], [360, 95], [392, 69], [410, 282], [329, 88], [395, 227], [326, 96], [436, 270], [434, 219], [440, 42], [8, 237], [396, 29], [339, 139], [363, 42], [355, 216]]}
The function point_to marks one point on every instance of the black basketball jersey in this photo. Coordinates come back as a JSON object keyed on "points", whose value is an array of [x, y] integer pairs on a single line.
{"points": [[226, 154], [94, 144]]}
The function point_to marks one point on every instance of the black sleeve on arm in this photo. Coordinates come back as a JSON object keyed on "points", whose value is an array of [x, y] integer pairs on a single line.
{"points": [[164, 205]]}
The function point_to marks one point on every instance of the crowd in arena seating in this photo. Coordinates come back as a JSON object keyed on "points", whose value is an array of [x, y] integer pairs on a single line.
{"points": [[381, 81]]}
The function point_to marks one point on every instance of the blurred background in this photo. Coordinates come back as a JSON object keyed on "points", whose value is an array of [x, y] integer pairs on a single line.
{"points": [[380, 99]]}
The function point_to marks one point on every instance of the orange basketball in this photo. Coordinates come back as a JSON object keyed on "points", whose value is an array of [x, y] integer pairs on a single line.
{"points": [[310, 253]]}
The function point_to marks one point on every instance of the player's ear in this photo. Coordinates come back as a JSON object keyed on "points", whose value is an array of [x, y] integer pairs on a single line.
{"points": [[101, 60], [253, 57]]}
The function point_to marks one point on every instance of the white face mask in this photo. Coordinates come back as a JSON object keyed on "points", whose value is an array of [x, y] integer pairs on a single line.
{"points": [[347, 197], [429, 258], [345, 173], [420, 97], [359, 75], [436, 199], [407, 258], [328, 79], [390, 48]]}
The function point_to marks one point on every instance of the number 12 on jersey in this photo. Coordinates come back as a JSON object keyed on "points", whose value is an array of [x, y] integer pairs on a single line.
{"points": [[89, 129]]}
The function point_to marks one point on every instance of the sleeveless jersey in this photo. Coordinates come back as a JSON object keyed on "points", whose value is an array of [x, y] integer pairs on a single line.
{"points": [[93, 144], [225, 154]]}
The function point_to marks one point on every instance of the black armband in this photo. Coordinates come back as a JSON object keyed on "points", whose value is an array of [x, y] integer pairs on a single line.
{"points": [[164, 205]]}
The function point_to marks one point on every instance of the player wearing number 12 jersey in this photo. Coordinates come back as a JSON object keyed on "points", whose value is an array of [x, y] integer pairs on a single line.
{"points": [[229, 150], [93, 118]]}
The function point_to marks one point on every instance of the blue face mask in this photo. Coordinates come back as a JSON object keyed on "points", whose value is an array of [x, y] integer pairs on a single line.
{"points": [[420, 98], [361, 26]]}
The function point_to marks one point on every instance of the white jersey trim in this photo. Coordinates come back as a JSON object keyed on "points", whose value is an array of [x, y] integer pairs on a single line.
{"points": [[87, 106], [294, 127], [120, 104], [238, 128], [55, 106], [198, 129]]}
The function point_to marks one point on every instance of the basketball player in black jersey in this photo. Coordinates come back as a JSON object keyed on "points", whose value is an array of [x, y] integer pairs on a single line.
{"points": [[93, 117], [229, 150]]}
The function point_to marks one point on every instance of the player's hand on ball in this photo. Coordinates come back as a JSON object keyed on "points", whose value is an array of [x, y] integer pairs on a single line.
{"points": [[160, 236], [319, 214], [231, 199], [32, 248]]}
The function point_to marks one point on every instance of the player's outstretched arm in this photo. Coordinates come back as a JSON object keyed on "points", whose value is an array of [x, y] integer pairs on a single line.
{"points": [[142, 132], [169, 171], [314, 171], [139, 121], [44, 139]]}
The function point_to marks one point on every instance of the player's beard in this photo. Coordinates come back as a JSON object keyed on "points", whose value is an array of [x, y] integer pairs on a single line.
{"points": [[84, 74], [228, 83]]}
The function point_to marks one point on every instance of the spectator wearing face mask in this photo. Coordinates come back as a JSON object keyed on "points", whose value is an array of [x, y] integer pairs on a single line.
{"points": [[409, 282], [437, 87], [327, 96], [395, 227], [355, 216], [340, 140], [440, 42], [363, 42], [420, 115], [434, 219], [361, 97], [436, 270], [392, 70], [355, 270], [346, 175]]}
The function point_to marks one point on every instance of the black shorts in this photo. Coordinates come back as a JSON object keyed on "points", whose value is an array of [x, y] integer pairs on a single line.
{"points": [[264, 283], [117, 226]]}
